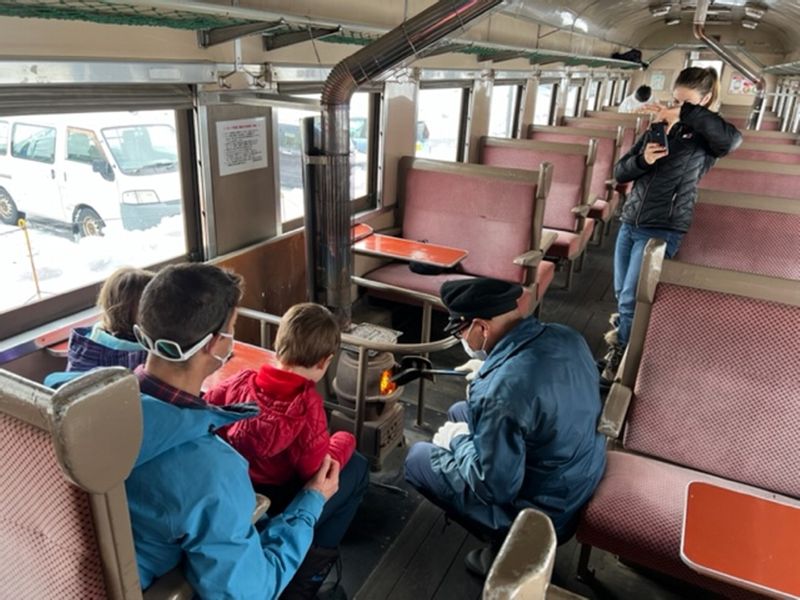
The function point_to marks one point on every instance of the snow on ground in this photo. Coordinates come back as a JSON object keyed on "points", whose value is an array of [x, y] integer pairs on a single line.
{"points": [[63, 264]]}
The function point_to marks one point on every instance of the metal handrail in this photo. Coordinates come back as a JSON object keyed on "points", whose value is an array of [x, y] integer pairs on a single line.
{"points": [[353, 340], [424, 348]]}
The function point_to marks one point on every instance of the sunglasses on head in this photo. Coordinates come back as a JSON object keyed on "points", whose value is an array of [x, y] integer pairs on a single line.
{"points": [[168, 349]]}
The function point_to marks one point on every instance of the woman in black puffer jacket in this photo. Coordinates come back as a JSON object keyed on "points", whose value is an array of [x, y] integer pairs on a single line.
{"points": [[661, 203]]}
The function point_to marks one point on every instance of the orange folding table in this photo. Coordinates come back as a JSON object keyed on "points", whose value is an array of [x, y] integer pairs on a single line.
{"points": [[747, 540], [387, 246]]}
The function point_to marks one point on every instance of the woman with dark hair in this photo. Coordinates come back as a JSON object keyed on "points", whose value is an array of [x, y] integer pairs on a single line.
{"points": [[661, 203]]}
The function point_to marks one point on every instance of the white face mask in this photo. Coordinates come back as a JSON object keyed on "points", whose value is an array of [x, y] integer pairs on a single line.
{"points": [[227, 357], [478, 354]]}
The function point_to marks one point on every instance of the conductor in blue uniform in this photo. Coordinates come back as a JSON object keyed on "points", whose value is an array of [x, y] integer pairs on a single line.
{"points": [[527, 434]]}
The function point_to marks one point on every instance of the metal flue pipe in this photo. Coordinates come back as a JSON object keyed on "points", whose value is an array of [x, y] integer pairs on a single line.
{"points": [[757, 111], [327, 170]]}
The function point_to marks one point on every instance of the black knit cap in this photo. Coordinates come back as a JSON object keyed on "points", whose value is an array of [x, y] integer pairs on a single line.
{"points": [[481, 297]]}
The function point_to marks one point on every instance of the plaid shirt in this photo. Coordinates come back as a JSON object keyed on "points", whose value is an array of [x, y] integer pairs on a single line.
{"points": [[152, 386]]}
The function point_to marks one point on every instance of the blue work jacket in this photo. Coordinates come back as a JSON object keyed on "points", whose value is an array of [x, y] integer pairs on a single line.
{"points": [[533, 442]]}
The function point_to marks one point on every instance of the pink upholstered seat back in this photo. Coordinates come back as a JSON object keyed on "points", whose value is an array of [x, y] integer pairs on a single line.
{"points": [[753, 136], [762, 183], [566, 189], [48, 547], [742, 239], [768, 156], [628, 133], [603, 163], [718, 387], [767, 124], [489, 217]]}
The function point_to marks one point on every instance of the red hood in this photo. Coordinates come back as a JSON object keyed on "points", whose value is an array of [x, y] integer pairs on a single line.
{"points": [[283, 398]]}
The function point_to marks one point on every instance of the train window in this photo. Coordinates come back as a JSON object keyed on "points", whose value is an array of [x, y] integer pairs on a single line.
{"points": [[439, 122], [545, 97], [573, 100], [502, 109], [705, 63], [592, 95], [34, 142], [608, 99], [623, 91], [3, 138], [100, 190], [290, 155]]}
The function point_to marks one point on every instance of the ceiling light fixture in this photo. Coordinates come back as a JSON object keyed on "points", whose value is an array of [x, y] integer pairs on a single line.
{"points": [[660, 11], [754, 12], [749, 24], [673, 21]]}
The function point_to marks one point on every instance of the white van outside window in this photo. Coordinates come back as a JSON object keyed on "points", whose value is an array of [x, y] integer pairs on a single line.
{"points": [[98, 190]]}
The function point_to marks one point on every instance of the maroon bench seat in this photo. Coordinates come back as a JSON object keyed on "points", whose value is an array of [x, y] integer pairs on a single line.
{"points": [[742, 232], [495, 214], [628, 138], [774, 153], [637, 510], [568, 199], [400, 275], [750, 177], [767, 123], [707, 388], [769, 137], [604, 199]]}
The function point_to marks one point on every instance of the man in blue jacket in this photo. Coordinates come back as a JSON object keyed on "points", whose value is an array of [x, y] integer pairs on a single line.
{"points": [[189, 494], [526, 435]]}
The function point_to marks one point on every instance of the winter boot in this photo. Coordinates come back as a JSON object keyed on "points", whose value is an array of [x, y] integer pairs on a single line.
{"points": [[612, 358], [612, 335], [479, 561], [312, 574]]}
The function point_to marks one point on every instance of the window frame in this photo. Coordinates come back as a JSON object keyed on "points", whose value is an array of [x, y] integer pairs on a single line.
{"points": [[99, 146], [368, 201], [5, 149], [578, 97], [553, 100], [25, 318]]}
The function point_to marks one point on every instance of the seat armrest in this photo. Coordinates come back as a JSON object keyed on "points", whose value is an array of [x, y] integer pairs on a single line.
{"points": [[611, 183], [170, 586], [262, 506], [531, 258], [524, 563], [615, 410], [548, 239], [582, 210]]}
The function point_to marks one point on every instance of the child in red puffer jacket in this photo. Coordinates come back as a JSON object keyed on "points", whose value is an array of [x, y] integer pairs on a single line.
{"points": [[287, 442]]}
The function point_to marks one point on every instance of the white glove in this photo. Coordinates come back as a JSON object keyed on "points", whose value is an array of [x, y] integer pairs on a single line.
{"points": [[472, 366], [448, 432]]}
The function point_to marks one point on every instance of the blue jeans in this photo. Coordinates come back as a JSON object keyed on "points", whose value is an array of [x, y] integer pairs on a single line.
{"points": [[628, 255], [339, 510]]}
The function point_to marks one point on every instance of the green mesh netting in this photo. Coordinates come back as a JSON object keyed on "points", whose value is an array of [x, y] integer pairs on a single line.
{"points": [[98, 11], [118, 14]]}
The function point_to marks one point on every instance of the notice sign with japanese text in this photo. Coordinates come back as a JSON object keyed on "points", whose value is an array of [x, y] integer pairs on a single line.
{"points": [[242, 145]]}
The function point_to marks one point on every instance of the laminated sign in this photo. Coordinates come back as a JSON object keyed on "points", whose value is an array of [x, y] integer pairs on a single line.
{"points": [[242, 145]]}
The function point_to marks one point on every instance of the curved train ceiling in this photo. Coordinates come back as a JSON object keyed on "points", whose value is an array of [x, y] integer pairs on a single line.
{"points": [[632, 22]]}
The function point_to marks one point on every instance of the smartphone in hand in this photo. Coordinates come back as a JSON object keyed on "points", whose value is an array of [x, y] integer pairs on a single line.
{"points": [[658, 134]]}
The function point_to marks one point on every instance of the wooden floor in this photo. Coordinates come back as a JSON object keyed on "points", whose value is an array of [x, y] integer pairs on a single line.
{"points": [[400, 547]]}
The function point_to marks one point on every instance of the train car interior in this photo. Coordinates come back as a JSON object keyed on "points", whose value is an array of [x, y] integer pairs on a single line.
{"points": [[371, 158]]}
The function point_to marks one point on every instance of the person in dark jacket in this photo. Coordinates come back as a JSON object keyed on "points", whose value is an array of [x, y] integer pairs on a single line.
{"points": [[661, 203], [110, 342], [527, 434]]}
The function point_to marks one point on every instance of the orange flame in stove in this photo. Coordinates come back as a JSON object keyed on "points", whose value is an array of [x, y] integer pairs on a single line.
{"points": [[387, 385]]}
